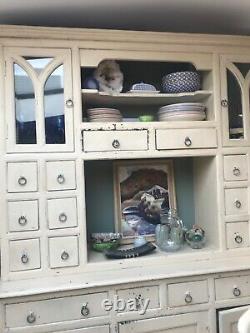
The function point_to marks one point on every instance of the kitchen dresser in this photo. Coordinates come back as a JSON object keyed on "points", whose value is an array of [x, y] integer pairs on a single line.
{"points": [[57, 182]]}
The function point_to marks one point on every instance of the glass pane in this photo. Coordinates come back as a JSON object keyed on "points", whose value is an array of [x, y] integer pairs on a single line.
{"points": [[24, 107], [38, 63], [54, 107], [243, 68], [235, 115]]}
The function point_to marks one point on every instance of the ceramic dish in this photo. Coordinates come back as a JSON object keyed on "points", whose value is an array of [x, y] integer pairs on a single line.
{"points": [[178, 82]]}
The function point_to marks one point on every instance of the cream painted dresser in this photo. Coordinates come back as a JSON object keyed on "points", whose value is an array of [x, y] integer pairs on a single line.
{"points": [[56, 176]]}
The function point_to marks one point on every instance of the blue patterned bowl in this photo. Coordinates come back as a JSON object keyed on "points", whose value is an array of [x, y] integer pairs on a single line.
{"points": [[181, 82]]}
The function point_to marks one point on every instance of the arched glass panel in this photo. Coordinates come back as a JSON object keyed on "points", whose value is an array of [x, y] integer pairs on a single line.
{"points": [[235, 115], [54, 107], [24, 107], [243, 68], [38, 64]]}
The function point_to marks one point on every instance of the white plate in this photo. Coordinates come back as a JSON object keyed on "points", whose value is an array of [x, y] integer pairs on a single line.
{"points": [[169, 112], [193, 117]]}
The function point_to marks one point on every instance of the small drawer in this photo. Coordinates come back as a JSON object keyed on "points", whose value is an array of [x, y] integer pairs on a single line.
{"points": [[61, 175], [55, 310], [186, 138], [187, 293], [237, 234], [236, 201], [232, 287], [23, 215], [24, 255], [22, 177], [94, 141], [235, 167], [143, 297], [63, 251], [62, 213]]}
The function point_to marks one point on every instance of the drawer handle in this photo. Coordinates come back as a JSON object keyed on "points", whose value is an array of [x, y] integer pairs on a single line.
{"points": [[61, 179], [69, 103], [116, 144], [22, 181], [85, 310], [31, 318], [22, 220], [24, 259], [65, 256], [236, 171], [238, 239], [236, 292], [188, 298], [224, 103], [63, 217], [237, 204], [188, 141]]}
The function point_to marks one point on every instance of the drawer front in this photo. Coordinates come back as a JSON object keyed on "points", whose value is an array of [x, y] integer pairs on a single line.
{"points": [[24, 255], [55, 310], [22, 177], [236, 201], [187, 293], [62, 213], [23, 215], [97, 329], [94, 141], [63, 251], [61, 175], [237, 234], [232, 287], [139, 298], [235, 167], [186, 138]]}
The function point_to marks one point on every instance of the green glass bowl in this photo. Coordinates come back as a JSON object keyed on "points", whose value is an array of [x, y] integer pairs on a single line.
{"points": [[146, 118], [100, 247]]}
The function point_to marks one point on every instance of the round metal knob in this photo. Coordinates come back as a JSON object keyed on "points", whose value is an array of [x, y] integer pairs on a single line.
{"points": [[236, 171], [22, 220], [188, 298], [65, 255], [31, 318], [236, 292], [22, 181], [60, 179], [237, 204], [85, 310], [238, 239], [188, 141], [224, 103], [63, 217], [69, 103], [116, 144], [24, 259]]}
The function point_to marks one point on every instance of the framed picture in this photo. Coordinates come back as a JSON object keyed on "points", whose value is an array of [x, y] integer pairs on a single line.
{"points": [[143, 189]]}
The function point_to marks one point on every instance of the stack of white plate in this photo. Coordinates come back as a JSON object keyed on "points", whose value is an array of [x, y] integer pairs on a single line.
{"points": [[104, 115], [182, 112]]}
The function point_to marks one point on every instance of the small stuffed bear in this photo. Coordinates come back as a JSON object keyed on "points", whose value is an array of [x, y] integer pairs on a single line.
{"points": [[109, 76]]}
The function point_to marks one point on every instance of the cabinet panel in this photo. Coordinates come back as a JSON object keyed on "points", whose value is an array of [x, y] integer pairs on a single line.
{"points": [[62, 213], [63, 251], [235, 167], [61, 175], [23, 215], [22, 177]]}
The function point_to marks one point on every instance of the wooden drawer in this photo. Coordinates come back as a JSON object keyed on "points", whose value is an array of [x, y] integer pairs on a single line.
{"points": [[23, 215], [236, 201], [62, 213], [232, 287], [187, 293], [97, 329], [94, 141], [237, 234], [61, 175], [55, 310], [235, 167], [24, 255], [22, 177], [63, 251], [186, 138]]}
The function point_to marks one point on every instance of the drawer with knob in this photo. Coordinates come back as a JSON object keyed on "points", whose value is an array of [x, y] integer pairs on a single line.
{"points": [[237, 234], [232, 287], [186, 138], [22, 177], [106, 141], [62, 213], [55, 310], [187, 293], [235, 167], [236, 201], [63, 251], [24, 255], [61, 175], [23, 215]]}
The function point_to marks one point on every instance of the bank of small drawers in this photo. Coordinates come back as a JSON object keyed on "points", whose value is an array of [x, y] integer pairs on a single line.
{"points": [[62, 213], [237, 234], [235, 167], [23, 215], [63, 251], [22, 177], [236, 201], [60, 175], [232, 287]]}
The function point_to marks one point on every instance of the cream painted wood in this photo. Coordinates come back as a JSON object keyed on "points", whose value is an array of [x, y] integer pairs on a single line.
{"points": [[55, 310], [187, 293], [236, 201], [196, 322], [24, 255], [23, 215], [232, 287], [235, 167], [237, 234], [22, 177], [228, 319], [97, 329], [63, 251], [62, 213], [186, 138], [61, 175], [115, 140]]}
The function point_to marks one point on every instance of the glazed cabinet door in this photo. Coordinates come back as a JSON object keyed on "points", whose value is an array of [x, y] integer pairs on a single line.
{"points": [[183, 323], [39, 100], [235, 86], [228, 319]]}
